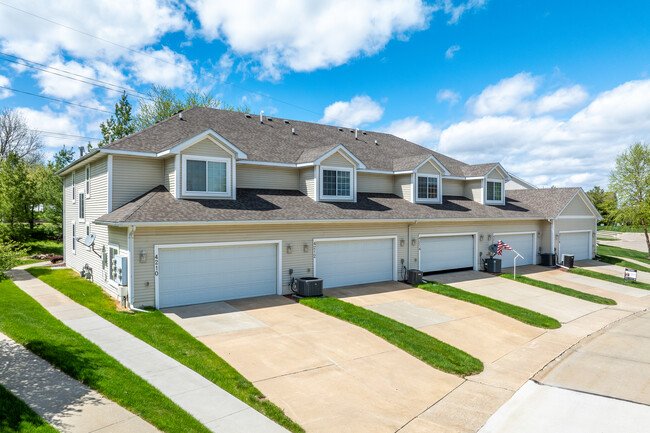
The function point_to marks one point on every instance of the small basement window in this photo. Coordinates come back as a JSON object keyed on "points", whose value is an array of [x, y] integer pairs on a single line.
{"points": [[206, 176], [336, 183], [494, 191], [427, 188]]}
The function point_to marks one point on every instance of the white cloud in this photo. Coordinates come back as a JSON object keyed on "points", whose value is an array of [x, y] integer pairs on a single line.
{"points": [[4, 93], [551, 151], [358, 111], [505, 96], [451, 51], [305, 36], [561, 100], [415, 130], [56, 85], [175, 72], [455, 11], [448, 95]]}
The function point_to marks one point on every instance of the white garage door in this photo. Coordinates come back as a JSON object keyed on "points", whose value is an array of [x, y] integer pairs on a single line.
{"points": [[216, 273], [523, 244], [576, 244], [344, 263], [442, 253]]}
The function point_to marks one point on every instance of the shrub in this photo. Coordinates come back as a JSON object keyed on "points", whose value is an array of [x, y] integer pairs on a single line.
{"points": [[10, 255]]}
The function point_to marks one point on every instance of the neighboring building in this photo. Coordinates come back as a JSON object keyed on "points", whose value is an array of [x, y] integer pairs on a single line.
{"points": [[215, 205], [518, 183]]}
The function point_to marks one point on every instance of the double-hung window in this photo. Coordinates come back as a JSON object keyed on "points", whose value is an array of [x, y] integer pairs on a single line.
{"points": [[428, 189], [74, 189], [87, 181], [82, 206], [494, 191], [74, 238], [336, 183], [206, 176]]}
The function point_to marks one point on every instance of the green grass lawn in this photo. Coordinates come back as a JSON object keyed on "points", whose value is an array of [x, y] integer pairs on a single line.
{"points": [[518, 313], [623, 263], [610, 278], [162, 333], [17, 417], [41, 247], [423, 346], [560, 289], [28, 323], [606, 250]]}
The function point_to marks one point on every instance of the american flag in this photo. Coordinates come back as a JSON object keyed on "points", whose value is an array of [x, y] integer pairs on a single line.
{"points": [[501, 246]]}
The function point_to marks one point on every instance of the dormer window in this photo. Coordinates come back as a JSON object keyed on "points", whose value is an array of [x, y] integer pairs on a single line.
{"points": [[428, 189], [494, 191], [336, 183], [206, 176]]}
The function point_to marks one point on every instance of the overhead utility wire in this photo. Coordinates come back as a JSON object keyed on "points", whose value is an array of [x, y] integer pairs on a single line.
{"points": [[74, 79], [157, 58], [56, 100], [126, 89], [65, 135]]}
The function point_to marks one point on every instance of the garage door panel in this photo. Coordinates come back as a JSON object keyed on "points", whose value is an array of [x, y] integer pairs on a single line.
{"points": [[440, 253], [344, 263], [207, 274], [576, 244], [523, 244]]}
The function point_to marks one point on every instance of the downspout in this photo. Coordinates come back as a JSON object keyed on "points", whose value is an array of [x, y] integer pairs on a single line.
{"points": [[552, 221], [408, 249]]}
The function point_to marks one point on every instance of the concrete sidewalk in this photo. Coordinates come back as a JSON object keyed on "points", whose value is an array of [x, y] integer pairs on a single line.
{"points": [[67, 404], [211, 405]]}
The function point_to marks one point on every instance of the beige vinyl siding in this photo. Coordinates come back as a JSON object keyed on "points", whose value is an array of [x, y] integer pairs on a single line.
{"points": [[296, 234], [484, 228], [337, 160], [95, 206], [264, 177], [403, 186], [453, 187], [497, 174], [375, 182], [207, 147], [515, 184], [578, 224], [133, 176], [474, 191], [428, 168], [576, 207], [307, 182], [169, 174]]}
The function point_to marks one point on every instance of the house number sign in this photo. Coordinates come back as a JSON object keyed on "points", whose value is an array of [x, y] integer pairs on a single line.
{"points": [[155, 265]]}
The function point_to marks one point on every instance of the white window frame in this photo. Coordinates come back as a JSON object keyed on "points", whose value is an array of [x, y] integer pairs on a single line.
{"points": [[503, 192], [110, 264], [74, 240], [74, 189], [87, 180], [229, 179], [417, 186], [82, 198], [337, 197]]}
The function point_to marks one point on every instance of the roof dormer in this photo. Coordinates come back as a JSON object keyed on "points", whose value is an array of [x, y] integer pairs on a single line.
{"points": [[334, 176]]}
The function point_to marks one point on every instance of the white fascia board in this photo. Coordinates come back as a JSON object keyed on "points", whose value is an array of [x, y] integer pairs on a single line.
{"points": [[325, 221], [366, 170], [454, 177], [436, 162], [271, 164], [346, 153], [403, 172], [129, 153], [518, 179], [88, 157], [207, 133], [503, 170], [474, 178]]}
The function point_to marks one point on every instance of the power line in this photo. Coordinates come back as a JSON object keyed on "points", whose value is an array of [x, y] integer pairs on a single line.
{"points": [[156, 58], [130, 91], [64, 135], [56, 100]]}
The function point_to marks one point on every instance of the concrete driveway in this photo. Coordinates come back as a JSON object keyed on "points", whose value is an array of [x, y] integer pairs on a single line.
{"points": [[606, 268], [602, 384], [327, 374], [561, 307], [631, 241]]}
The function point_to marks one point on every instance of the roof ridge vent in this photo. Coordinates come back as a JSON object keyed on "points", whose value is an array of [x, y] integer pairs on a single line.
{"points": [[270, 119], [286, 121], [262, 116], [341, 129], [293, 131], [247, 115]]}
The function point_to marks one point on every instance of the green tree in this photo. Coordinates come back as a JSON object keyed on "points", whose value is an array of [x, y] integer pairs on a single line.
{"points": [[118, 125], [18, 196], [605, 202], [50, 187], [10, 255], [162, 103], [630, 181]]}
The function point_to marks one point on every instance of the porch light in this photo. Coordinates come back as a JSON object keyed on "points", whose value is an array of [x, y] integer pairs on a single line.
{"points": [[480, 238], [143, 256], [413, 241], [401, 242], [289, 249], [305, 248]]}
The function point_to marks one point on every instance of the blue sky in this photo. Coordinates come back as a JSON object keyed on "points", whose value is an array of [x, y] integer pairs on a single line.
{"points": [[553, 89]]}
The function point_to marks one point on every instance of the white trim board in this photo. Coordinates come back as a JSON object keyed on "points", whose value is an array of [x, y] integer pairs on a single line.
{"points": [[437, 235], [359, 238], [213, 136], [157, 249]]}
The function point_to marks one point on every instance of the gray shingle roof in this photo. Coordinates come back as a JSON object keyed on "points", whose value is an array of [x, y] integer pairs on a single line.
{"points": [[549, 202], [273, 141], [478, 169], [159, 206]]}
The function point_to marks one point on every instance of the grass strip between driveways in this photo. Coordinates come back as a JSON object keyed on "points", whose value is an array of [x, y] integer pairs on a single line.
{"points": [[159, 331], [518, 313], [430, 350], [607, 250], [610, 278], [16, 416], [560, 289], [623, 263], [28, 323]]}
